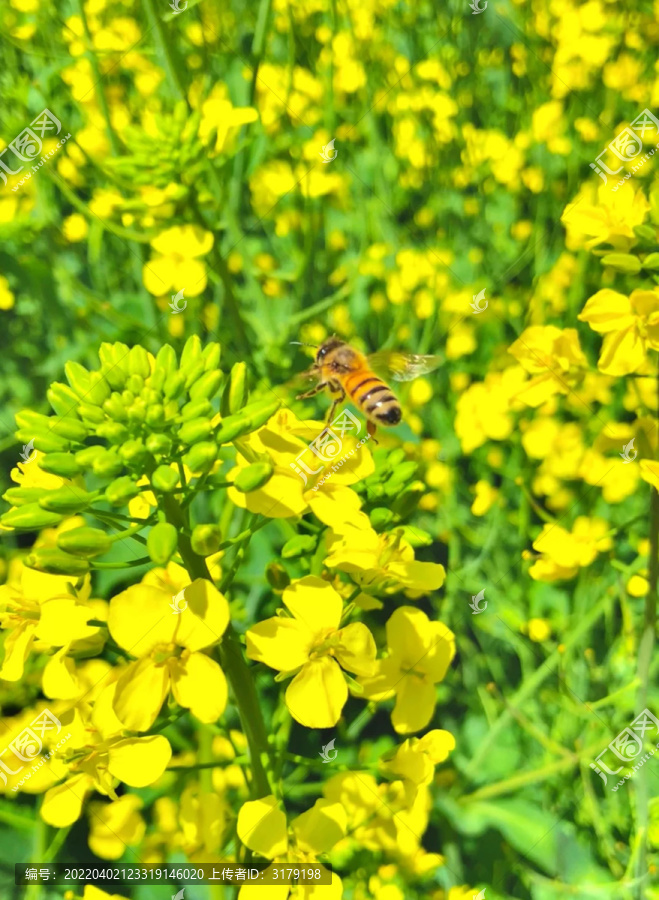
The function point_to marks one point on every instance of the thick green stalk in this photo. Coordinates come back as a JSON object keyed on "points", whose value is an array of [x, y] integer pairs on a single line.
{"points": [[233, 664], [165, 51]]}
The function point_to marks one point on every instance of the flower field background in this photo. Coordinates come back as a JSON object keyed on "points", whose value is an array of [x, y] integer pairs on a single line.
{"points": [[431, 665]]}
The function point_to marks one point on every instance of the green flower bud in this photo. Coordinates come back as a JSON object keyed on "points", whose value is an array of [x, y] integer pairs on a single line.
{"points": [[174, 385], [206, 539], [416, 537], [261, 412], [211, 356], [135, 384], [30, 517], [63, 464], [66, 500], [196, 409], [646, 233], [149, 396], [28, 420], [138, 362], [114, 432], [62, 399], [121, 490], [155, 416], [114, 407], [191, 352], [193, 374], [400, 477], [380, 517], [86, 542], [230, 428], [84, 458], [56, 562], [253, 477], [127, 398], [206, 386], [107, 465], [133, 452], [405, 503], [157, 381], [137, 411], [166, 360], [92, 414], [158, 444], [19, 496], [161, 543], [78, 378], [71, 429], [278, 577], [201, 457], [114, 364], [234, 396], [195, 430], [171, 410], [622, 262], [651, 261], [165, 479], [300, 545], [46, 442]]}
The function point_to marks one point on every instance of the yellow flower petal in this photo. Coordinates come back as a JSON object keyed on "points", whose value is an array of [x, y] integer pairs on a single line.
{"points": [[62, 805], [140, 692], [59, 677], [282, 644], [17, 649], [204, 620], [198, 683], [315, 603], [319, 828], [415, 704], [606, 311], [622, 353], [139, 761], [140, 618], [356, 651], [317, 694], [261, 826], [64, 620]]}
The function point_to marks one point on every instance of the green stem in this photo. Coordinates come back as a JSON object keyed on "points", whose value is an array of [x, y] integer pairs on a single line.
{"points": [[646, 647], [233, 664], [164, 50]]}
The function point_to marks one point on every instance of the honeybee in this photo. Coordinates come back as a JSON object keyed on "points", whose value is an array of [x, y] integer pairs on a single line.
{"points": [[345, 371]]}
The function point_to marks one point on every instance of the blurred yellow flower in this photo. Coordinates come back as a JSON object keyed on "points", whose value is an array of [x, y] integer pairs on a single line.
{"points": [[630, 325], [177, 265], [6, 296], [564, 552], [75, 228], [599, 215], [538, 629]]}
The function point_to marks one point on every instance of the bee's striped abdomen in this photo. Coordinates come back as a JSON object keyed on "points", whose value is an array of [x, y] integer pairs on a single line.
{"points": [[373, 397]]}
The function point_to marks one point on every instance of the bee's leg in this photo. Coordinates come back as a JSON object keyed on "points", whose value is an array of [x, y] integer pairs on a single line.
{"points": [[337, 402], [314, 390], [370, 429]]}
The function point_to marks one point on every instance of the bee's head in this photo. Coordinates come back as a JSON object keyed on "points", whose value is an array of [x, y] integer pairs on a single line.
{"points": [[330, 344]]}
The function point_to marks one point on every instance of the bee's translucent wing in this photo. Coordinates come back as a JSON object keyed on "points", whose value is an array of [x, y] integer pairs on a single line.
{"points": [[404, 366], [303, 380]]}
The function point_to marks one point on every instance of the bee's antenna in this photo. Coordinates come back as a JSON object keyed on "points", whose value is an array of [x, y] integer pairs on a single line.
{"points": [[302, 344]]}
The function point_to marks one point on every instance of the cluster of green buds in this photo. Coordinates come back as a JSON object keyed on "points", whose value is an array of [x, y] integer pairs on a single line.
{"points": [[151, 421], [175, 154]]}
